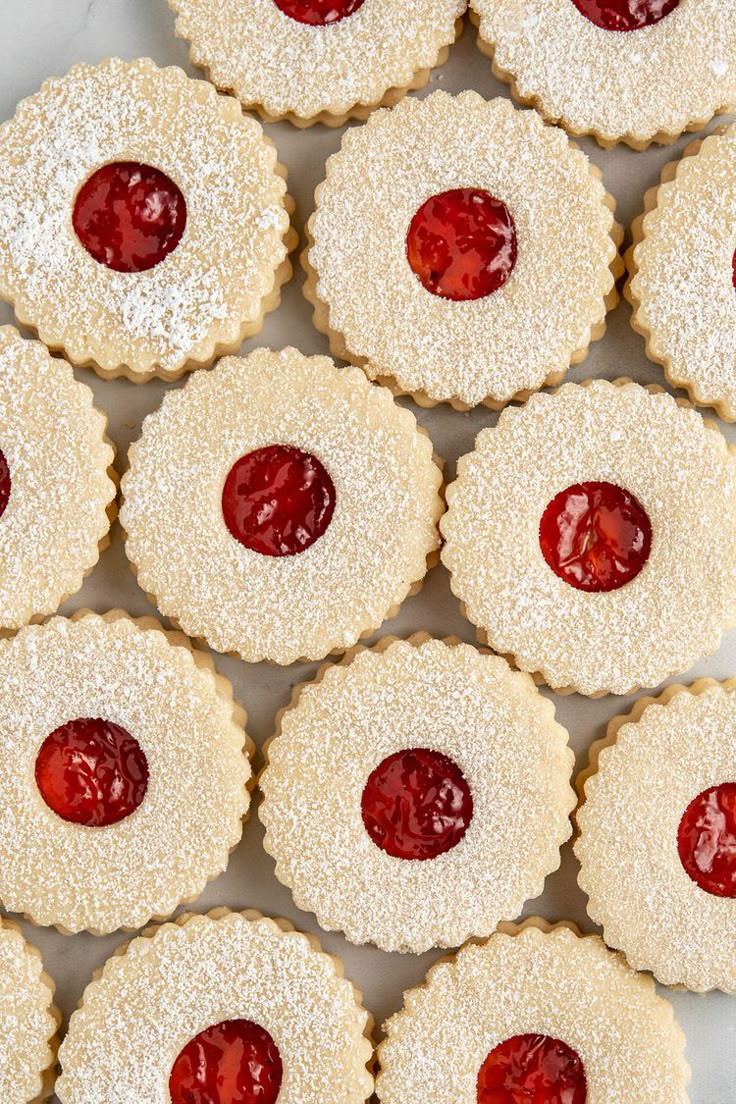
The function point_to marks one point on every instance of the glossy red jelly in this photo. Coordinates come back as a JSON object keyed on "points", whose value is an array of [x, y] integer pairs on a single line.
{"points": [[734, 269], [595, 536], [462, 244], [416, 804], [532, 1069], [625, 15], [5, 483], [234, 1062], [278, 500], [706, 840], [129, 216], [92, 772], [319, 13]]}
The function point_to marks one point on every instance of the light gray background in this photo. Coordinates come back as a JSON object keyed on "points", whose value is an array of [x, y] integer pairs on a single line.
{"points": [[40, 38]]}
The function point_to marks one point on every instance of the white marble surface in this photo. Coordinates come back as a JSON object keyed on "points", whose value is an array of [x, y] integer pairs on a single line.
{"points": [[39, 38]]}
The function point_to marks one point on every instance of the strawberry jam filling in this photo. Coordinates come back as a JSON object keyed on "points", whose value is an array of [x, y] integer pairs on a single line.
{"points": [[416, 804], [318, 13], [234, 1062], [129, 216], [4, 483], [595, 536], [462, 244], [706, 840], [625, 15], [92, 772], [278, 500], [532, 1069], [734, 269]]}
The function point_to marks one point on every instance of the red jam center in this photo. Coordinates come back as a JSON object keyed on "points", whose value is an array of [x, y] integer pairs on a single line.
{"points": [[462, 244], [234, 1062], [532, 1069], [706, 840], [278, 500], [4, 483], [734, 269], [625, 15], [595, 536], [129, 216], [319, 13], [92, 772], [416, 804]]}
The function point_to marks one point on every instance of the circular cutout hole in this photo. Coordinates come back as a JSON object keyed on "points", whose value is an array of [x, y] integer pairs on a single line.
{"points": [[416, 804], [534, 1068], [625, 15], [129, 216], [319, 13], [233, 1062], [706, 840]]}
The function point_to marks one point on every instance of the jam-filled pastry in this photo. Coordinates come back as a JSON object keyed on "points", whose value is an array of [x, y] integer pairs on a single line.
{"points": [[461, 251], [417, 794], [536, 1013], [633, 71], [123, 775], [144, 226], [28, 1021], [659, 806], [683, 272], [279, 507], [57, 485], [318, 61], [239, 1009], [592, 536]]}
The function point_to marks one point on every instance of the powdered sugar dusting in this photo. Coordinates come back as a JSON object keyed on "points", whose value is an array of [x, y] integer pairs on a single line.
{"points": [[490, 721], [652, 910], [493, 347], [683, 286], [685, 478], [27, 1022], [191, 816], [283, 608], [202, 293], [207, 970], [648, 83], [272, 61], [53, 441], [555, 984]]}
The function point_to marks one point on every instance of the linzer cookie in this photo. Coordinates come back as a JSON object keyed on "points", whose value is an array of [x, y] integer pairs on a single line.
{"points": [[461, 251], [633, 71], [144, 226], [318, 61]]}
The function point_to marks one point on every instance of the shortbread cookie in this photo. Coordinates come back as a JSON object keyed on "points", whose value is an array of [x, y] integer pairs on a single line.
{"points": [[592, 536], [417, 795], [318, 61], [660, 806], [634, 72], [231, 999], [435, 251], [57, 489], [279, 507], [144, 227], [683, 272], [124, 778], [28, 1021], [534, 1013]]}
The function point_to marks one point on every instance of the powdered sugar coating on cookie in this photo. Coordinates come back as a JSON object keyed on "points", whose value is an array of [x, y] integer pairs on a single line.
{"points": [[205, 295], [53, 440], [682, 473], [639, 86], [652, 910], [513, 340], [203, 971], [682, 274], [346, 583], [28, 1020], [191, 816], [287, 68], [491, 722], [548, 982]]}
